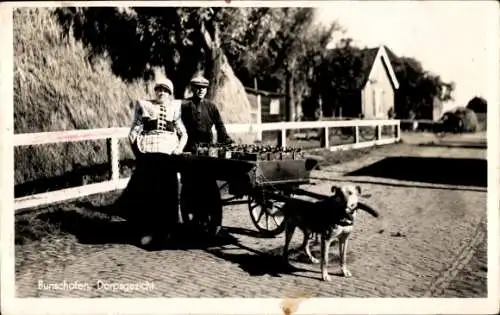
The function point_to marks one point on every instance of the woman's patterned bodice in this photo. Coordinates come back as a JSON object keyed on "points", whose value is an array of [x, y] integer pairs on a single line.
{"points": [[158, 127], [158, 117]]}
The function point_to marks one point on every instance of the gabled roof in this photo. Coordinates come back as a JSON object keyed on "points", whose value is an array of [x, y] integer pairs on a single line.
{"points": [[369, 58], [392, 56]]}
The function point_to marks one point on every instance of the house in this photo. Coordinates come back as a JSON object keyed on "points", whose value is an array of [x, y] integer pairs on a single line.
{"points": [[379, 85], [372, 95], [266, 106]]}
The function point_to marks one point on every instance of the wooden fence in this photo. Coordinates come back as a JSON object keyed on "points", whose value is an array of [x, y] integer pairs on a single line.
{"points": [[113, 135]]}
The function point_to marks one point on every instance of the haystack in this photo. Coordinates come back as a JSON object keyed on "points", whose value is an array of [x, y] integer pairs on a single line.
{"points": [[56, 88]]}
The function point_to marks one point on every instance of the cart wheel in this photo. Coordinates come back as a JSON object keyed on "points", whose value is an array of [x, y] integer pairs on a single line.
{"points": [[266, 214]]}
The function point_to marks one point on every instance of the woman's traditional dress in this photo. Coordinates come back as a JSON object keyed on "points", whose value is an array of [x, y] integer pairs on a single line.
{"points": [[151, 197]]}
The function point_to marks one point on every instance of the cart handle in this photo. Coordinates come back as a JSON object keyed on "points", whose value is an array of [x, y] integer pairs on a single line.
{"points": [[300, 191]]}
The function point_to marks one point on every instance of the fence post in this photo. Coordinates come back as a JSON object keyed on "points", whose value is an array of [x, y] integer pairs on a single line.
{"points": [[327, 138], [398, 130], [282, 139], [379, 131], [259, 116], [113, 157], [356, 134]]}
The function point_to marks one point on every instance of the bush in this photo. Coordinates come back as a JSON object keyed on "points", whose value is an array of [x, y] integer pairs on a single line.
{"points": [[460, 119], [478, 105]]}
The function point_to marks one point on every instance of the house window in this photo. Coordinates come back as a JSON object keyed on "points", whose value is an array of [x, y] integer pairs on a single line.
{"points": [[274, 107]]}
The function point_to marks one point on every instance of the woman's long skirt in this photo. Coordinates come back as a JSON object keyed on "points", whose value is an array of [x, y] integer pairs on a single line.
{"points": [[151, 199]]}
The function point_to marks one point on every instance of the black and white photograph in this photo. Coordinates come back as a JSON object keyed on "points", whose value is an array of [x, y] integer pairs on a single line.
{"points": [[283, 150]]}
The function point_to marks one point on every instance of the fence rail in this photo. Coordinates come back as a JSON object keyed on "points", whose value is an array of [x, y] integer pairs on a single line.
{"points": [[113, 135]]}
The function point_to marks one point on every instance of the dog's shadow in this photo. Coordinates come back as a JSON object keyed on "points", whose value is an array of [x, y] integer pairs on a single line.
{"points": [[256, 263], [299, 256], [271, 263]]}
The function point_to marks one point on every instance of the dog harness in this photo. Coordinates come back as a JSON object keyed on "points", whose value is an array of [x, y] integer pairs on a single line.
{"points": [[348, 218]]}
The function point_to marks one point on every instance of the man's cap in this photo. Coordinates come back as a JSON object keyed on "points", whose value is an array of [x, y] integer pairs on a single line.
{"points": [[199, 80], [165, 83]]}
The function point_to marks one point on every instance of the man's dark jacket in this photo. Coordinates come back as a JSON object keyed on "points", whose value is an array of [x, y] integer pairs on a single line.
{"points": [[199, 116]]}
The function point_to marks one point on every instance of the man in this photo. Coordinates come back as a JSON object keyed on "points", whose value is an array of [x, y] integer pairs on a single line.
{"points": [[157, 131], [200, 115], [200, 194]]}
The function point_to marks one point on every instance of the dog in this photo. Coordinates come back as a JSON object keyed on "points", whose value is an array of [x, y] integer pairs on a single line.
{"points": [[330, 218]]}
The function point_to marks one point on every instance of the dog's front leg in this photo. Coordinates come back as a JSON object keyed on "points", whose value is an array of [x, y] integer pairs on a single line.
{"points": [[325, 248], [343, 255]]}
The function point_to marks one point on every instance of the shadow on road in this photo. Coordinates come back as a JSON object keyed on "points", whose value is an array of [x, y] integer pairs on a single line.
{"points": [[446, 171], [246, 232], [270, 262], [87, 226], [456, 144], [257, 265], [92, 227]]}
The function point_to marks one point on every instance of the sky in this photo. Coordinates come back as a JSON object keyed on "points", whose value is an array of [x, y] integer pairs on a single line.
{"points": [[450, 39]]}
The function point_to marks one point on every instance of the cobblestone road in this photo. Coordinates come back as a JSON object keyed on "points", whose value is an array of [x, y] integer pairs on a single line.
{"points": [[426, 235]]}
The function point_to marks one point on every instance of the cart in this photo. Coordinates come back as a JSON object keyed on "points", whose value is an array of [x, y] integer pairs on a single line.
{"points": [[264, 185]]}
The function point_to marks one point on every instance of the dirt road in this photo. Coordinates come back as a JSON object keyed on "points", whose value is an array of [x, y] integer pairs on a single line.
{"points": [[429, 241]]}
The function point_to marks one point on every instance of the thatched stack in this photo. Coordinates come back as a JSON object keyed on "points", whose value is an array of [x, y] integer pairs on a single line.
{"points": [[233, 102]]}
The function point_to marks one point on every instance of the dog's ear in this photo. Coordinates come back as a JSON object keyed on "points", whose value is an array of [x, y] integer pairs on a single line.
{"points": [[358, 188]]}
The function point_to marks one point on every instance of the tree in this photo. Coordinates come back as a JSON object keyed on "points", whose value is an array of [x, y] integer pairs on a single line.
{"points": [[418, 89], [478, 105], [282, 51], [338, 76], [314, 51], [280, 47], [183, 41]]}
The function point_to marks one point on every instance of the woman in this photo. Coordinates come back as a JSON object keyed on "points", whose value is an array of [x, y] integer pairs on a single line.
{"points": [[157, 132]]}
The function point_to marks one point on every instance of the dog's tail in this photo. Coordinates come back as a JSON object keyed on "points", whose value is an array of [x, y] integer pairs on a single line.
{"points": [[368, 209]]}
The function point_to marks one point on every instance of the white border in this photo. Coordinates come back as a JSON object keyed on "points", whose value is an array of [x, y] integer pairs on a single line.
{"points": [[11, 305], [6, 159]]}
